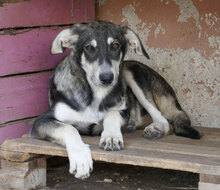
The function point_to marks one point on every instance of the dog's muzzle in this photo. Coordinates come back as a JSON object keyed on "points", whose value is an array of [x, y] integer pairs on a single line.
{"points": [[106, 78]]}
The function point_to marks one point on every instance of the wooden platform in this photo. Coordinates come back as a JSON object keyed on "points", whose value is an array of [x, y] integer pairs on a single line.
{"points": [[171, 152]]}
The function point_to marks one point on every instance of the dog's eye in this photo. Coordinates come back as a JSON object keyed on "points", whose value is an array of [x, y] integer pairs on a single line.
{"points": [[89, 47], [115, 45]]}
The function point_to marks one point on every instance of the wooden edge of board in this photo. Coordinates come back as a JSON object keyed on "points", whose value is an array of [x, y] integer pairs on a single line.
{"points": [[173, 161], [16, 156]]}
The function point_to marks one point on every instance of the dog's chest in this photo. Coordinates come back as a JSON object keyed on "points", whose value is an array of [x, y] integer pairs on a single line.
{"points": [[89, 115]]}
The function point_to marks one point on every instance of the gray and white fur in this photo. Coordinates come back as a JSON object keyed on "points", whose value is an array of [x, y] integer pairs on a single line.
{"points": [[94, 92]]}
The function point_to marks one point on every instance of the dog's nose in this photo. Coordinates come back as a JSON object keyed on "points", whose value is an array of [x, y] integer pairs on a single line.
{"points": [[106, 78]]}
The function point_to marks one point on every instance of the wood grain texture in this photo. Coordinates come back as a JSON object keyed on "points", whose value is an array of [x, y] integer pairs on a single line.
{"points": [[16, 156], [28, 51], [138, 151], [46, 12], [209, 179], [23, 96], [208, 186], [15, 130], [23, 176]]}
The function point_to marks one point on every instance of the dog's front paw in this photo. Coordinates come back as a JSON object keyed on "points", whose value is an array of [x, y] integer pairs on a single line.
{"points": [[80, 159], [111, 141], [153, 131]]}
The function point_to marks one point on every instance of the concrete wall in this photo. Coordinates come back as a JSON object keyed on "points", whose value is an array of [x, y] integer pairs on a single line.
{"points": [[182, 39]]}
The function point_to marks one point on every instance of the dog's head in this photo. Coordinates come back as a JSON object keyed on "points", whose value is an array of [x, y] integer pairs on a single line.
{"points": [[99, 47]]}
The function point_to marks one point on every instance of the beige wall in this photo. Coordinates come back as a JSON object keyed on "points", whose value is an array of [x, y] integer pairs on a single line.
{"points": [[182, 38]]}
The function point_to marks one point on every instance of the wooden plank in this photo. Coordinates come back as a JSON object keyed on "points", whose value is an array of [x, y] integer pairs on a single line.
{"points": [[15, 130], [45, 12], [34, 146], [23, 96], [152, 156], [209, 178], [169, 144], [16, 156], [128, 156], [28, 51], [24, 165], [208, 186], [89, 10], [24, 176], [210, 138]]}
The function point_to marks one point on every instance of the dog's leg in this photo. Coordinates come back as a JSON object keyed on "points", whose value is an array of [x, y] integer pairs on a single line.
{"points": [[79, 154], [172, 110], [160, 125], [111, 137], [159, 99]]}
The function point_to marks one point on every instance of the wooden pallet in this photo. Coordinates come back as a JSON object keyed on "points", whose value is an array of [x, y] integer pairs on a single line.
{"points": [[24, 162]]}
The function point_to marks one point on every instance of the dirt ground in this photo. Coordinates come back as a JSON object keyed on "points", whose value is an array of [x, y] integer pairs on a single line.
{"points": [[107, 176]]}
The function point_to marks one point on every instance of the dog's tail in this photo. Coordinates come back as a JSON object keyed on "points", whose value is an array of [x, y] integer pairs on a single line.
{"points": [[182, 126]]}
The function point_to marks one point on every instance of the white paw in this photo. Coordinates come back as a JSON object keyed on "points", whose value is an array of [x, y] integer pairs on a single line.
{"points": [[80, 159], [111, 141], [154, 131]]}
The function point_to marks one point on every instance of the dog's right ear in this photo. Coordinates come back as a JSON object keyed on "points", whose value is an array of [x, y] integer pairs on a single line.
{"points": [[134, 41], [65, 39]]}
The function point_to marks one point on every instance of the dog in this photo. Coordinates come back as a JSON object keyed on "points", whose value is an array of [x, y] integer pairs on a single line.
{"points": [[94, 92]]}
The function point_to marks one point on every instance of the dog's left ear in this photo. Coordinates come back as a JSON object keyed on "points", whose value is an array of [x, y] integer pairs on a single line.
{"points": [[134, 41]]}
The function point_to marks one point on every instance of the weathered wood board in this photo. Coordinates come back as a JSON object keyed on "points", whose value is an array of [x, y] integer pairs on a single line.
{"points": [[15, 130], [28, 51], [28, 13], [23, 176], [23, 96], [191, 157]]}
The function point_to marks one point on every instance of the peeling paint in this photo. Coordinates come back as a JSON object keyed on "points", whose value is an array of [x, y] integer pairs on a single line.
{"points": [[188, 10], [184, 47], [129, 15], [182, 68], [158, 30], [186, 90], [166, 2], [212, 20], [101, 2], [214, 42]]}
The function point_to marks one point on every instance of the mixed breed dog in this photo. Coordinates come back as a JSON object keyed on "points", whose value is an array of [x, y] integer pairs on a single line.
{"points": [[94, 92]]}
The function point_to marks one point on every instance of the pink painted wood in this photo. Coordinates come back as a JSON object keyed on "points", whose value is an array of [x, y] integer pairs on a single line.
{"points": [[28, 51], [46, 12], [89, 10], [23, 96], [12, 131]]}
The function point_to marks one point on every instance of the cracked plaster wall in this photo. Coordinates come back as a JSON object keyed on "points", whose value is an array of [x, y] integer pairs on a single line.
{"points": [[183, 41]]}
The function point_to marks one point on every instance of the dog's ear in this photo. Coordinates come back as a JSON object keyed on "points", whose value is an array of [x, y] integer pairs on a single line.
{"points": [[65, 39], [134, 41]]}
